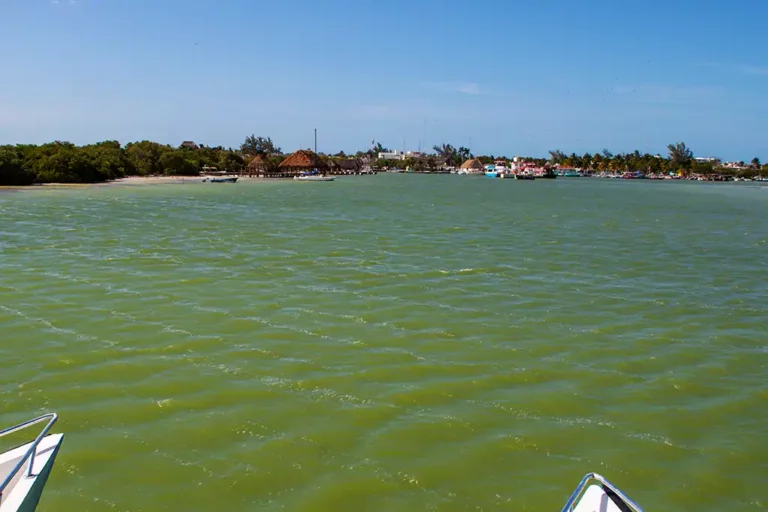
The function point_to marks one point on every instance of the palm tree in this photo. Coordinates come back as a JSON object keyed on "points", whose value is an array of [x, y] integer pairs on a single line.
{"points": [[447, 152], [556, 156], [464, 153]]}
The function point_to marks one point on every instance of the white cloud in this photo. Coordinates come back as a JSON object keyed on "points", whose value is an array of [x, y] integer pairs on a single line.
{"points": [[744, 69], [752, 70], [472, 88], [381, 112], [664, 93]]}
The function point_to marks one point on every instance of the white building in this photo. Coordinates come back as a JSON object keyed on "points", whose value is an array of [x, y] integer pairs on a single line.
{"points": [[399, 155]]}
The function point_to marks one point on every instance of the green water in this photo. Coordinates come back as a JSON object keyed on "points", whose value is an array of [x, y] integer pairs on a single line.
{"points": [[390, 343]]}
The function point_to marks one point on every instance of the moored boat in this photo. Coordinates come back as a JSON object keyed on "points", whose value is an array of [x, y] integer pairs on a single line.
{"points": [[220, 180], [595, 492], [312, 176], [24, 470], [549, 174]]}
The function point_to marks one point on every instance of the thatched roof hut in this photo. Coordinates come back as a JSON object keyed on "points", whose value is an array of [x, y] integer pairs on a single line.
{"points": [[258, 165], [301, 161], [473, 164], [345, 166], [351, 165]]}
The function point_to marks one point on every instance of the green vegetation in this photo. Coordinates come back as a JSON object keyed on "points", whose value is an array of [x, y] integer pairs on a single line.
{"points": [[63, 162], [259, 146], [451, 155], [429, 163], [679, 160]]}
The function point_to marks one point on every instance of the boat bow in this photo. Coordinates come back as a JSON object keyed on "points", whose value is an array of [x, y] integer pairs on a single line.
{"points": [[595, 493], [25, 470]]}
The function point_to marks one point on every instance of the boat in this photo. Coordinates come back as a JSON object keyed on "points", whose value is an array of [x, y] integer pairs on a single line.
{"points": [[549, 174], [220, 180], [24, 470], [313, 176], [524, 176], [316, 177], [595, 492], [570, 173]]}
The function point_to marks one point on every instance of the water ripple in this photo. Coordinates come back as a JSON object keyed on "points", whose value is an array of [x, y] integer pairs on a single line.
{"points": [[282, 347]]}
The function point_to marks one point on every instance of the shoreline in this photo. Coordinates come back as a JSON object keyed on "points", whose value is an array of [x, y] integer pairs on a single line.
{"points": [[180, 180]]}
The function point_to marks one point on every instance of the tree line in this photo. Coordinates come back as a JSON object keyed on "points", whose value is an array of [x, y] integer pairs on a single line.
{"points": [[64, 162], [679, 159]]}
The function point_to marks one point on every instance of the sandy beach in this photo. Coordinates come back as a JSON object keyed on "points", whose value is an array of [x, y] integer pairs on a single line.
{"points": [[129, 180], [146, 180]]}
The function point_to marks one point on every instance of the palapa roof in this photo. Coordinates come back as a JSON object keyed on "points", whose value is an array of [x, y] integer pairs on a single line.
{"points": [[350, 164], [258, 162], [303, 159], [472, 163]]}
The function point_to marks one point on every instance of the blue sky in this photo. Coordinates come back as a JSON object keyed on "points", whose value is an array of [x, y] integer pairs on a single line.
{"points": [[514, 78]]}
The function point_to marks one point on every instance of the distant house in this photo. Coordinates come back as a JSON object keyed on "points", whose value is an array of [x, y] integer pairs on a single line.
{"points": [[399, 155], [188, 144], [707, 160]]}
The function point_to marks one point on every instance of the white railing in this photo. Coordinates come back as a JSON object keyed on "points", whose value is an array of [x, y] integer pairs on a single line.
{"points": [[30, 453], [608, 488]]}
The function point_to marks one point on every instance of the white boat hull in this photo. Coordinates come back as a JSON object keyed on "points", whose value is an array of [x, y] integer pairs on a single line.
{"points": [[596, 494], [595, 499], [313, 178], [24, 491]]}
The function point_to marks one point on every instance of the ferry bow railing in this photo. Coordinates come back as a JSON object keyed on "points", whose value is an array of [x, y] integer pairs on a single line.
{"points": [[606, 485], [30, 453]]}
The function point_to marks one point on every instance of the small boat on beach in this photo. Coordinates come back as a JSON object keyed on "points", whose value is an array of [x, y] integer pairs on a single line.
{"points": [[24, 470], [595, 493]]}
